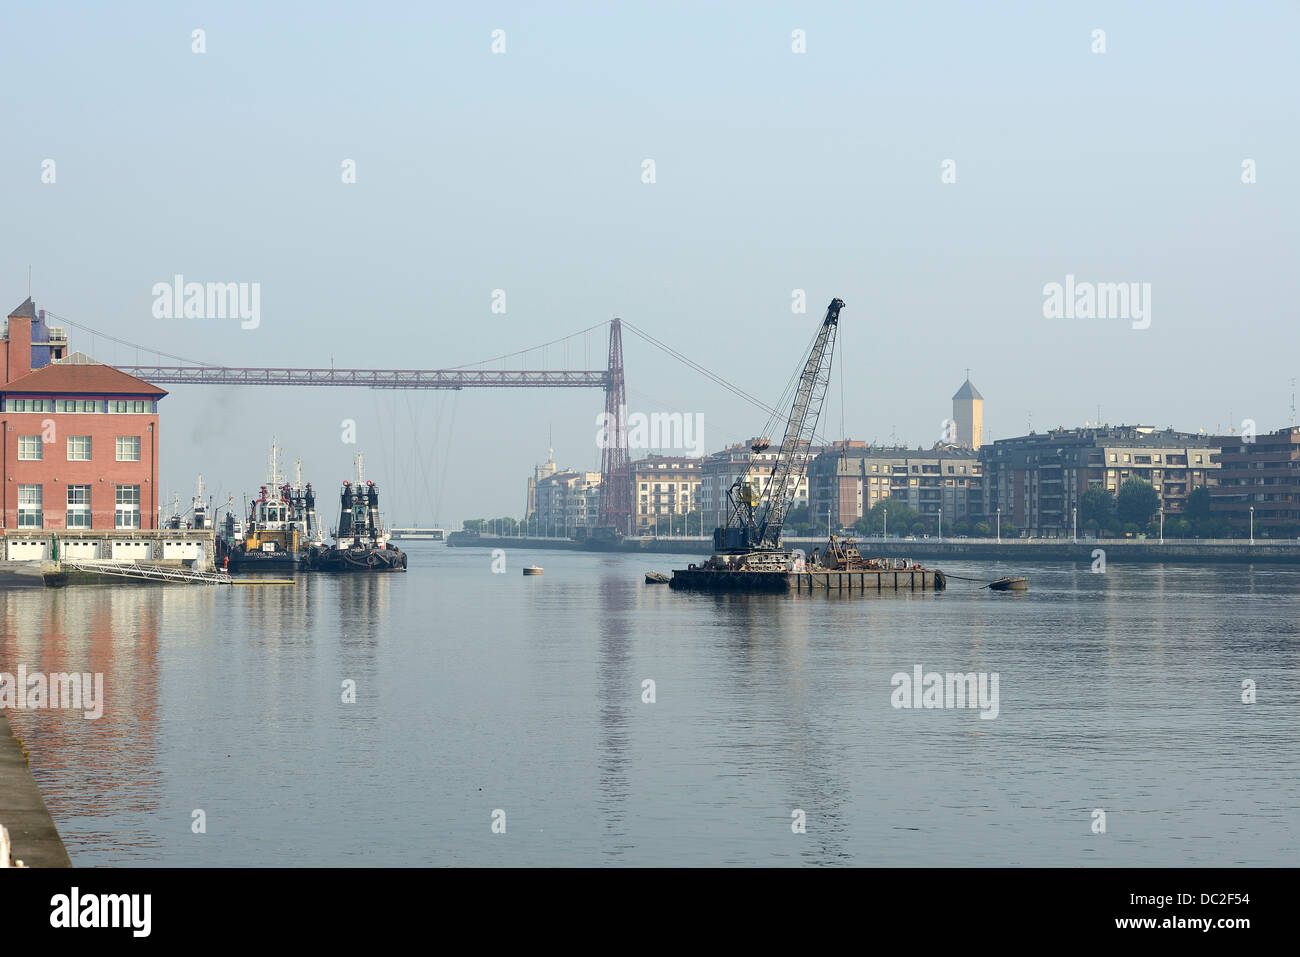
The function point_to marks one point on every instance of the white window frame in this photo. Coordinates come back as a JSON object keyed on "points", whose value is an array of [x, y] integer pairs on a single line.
{"points": [[89, 449], [30, 514], [128, 438], [126, 514], [25, 445], [78, 511]]}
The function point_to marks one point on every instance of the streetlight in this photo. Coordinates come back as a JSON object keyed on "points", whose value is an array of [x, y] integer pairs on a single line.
{"points": [[1074, 524], [1252, 525], [885, 533], [1162, 524], [940, 523], [999, 524]]}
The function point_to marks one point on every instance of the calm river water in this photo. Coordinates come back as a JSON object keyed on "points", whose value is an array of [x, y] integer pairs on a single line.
{"points": [[479, 692]]}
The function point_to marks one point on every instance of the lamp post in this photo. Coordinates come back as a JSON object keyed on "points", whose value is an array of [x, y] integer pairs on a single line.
{"points": [[1162, 524], [1074, 524], [885, 513], [1252, 525], [940, 523], [999, 524]]}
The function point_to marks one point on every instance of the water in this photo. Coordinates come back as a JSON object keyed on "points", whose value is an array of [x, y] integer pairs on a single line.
{"points": [[478, 691]]}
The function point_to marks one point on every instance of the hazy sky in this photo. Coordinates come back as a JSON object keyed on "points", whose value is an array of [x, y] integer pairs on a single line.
{"points": [[774, 171]]}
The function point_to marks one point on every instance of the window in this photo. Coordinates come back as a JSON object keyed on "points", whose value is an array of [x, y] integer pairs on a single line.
{"points": [[78, 448], [29, 405], [29, 507], [78, 506], [127, 513], [29, 448], [128, 448], [118, 405], [79, 405]]}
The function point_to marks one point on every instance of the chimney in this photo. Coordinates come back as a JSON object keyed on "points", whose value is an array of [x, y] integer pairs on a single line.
{"points": [[18, 361]]}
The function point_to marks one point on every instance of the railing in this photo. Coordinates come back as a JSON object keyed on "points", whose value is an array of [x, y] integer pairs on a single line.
{"points": [[100, 566]]}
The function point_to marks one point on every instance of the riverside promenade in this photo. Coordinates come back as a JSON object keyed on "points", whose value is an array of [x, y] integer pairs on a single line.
{"points": [[1118, 551], [23, 814]]}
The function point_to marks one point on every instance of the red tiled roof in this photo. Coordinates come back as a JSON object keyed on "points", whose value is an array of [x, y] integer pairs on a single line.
{"points": [[92, 379]]}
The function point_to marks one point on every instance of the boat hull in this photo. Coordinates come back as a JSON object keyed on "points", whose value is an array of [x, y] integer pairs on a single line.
{"points": [[847, 581], [363, 560]]}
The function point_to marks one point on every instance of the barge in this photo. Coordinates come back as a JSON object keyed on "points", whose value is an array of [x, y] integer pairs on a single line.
{"points": [[913, 578], [840, 569]]}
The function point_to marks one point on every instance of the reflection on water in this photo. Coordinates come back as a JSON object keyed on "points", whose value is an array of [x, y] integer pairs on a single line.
{"points": [[478, 692]]}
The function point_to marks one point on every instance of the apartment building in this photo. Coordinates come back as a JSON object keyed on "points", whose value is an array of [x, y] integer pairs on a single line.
{"points": [[664, 485], [1261, 473], [1037, 481], [850, 478]]}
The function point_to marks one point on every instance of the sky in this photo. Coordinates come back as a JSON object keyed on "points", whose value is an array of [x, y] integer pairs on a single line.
{"points": [[774, 171]]}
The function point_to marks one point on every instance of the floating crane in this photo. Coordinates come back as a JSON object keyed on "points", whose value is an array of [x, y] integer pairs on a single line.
{"points": [[752, 534], [747, 552]]}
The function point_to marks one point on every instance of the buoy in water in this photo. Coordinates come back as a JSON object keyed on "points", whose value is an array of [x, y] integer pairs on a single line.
{"points": [[533, 570]]}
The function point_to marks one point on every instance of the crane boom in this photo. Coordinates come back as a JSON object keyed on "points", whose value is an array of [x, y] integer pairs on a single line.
{"points": [[755, 520]]}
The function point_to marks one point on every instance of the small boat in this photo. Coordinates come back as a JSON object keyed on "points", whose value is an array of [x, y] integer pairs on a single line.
{"points": [[656, 578], [533, 570], [1020, 583]]}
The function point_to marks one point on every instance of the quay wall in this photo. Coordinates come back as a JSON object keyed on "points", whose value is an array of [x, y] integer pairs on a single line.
{"points": [[34, 839], [1118, 551], [148, 545]]}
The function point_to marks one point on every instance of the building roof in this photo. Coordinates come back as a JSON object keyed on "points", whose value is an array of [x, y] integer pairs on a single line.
{"points": [[82, 375], [968, 391], [25, 310]]}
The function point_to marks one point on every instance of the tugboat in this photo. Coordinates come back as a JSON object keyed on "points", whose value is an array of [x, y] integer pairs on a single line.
{"points": [[198, 511], [280, 529], [360, 542]]}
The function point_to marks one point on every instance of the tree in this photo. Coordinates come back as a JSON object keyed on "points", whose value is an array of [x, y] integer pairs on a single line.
{"points": [[1198, 504], [901, 517], [797, 518], [1137, 502], [982, 530], [1097, 509]]}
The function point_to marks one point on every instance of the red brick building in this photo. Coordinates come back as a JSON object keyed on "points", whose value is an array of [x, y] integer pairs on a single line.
{"points": [[78, 439]]}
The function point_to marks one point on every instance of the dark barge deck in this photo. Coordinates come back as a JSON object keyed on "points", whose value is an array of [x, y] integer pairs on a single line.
{"points": [[817, 580]]}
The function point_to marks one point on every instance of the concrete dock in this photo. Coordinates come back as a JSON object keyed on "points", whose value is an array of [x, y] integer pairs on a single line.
{"points": [[23, 814]]}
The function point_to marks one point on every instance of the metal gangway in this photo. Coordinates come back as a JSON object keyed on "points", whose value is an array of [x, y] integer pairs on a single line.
{"points": [[188, 576]]}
